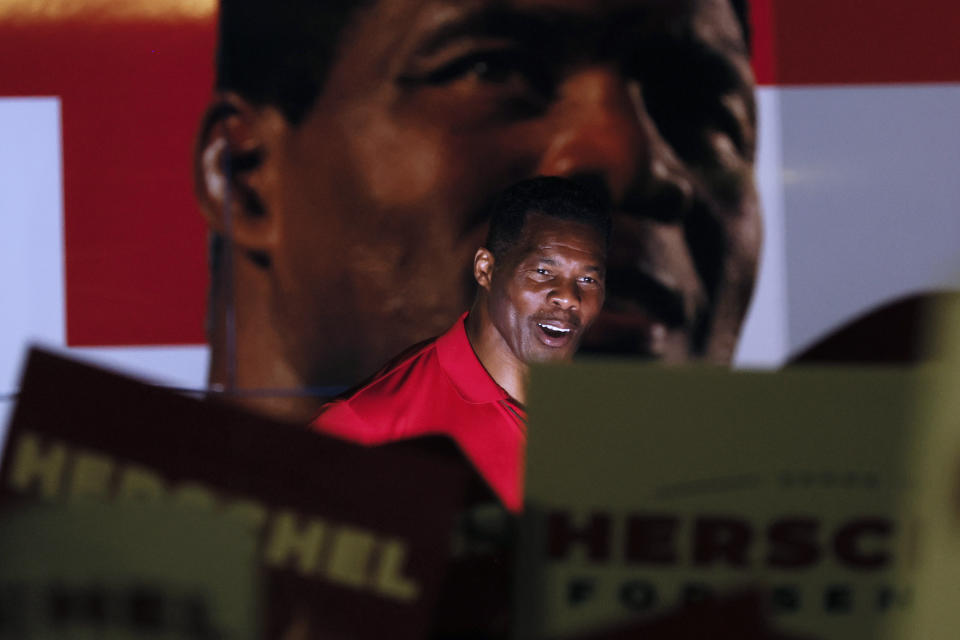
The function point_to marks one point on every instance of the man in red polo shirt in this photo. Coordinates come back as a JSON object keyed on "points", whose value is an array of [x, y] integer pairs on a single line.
{"points": [[541, 283]]}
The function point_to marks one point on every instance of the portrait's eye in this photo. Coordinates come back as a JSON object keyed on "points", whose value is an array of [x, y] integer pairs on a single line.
{"points": [[510, 80], [689, 94], [496, 66]]}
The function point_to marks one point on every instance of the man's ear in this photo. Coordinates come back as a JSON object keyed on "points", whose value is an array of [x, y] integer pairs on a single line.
{"points": [[483, 264], [229, 175]]}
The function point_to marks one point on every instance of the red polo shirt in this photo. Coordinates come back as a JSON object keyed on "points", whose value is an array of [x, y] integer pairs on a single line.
{"points": [[440, 388]]}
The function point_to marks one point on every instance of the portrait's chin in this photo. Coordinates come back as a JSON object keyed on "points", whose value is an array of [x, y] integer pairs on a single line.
{"points": [[634, 333]]}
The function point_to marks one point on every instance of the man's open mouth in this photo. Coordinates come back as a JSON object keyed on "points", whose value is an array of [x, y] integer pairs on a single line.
{"points": [[554, 330], [558, 332]]}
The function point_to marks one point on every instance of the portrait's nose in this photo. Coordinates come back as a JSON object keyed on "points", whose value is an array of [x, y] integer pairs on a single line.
{"points": [[602, 133]]}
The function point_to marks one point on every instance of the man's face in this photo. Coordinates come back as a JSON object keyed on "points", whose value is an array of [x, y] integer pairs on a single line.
{"points": [[547, 289], [434, 106]]}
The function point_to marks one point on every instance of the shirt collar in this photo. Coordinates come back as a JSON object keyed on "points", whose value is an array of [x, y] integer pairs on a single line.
{"points": [[461, 364]]}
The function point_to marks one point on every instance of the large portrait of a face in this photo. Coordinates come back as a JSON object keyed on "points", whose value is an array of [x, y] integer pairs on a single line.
{"points": [[348, 154], [347, 192]]}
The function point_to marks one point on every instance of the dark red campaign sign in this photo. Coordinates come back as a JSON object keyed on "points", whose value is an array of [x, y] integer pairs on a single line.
{"points": [[353, 541]]}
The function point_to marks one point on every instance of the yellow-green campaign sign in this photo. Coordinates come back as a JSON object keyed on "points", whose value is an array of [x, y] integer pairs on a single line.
{"points": [[936, 613], [650, 489], [126, 572]]}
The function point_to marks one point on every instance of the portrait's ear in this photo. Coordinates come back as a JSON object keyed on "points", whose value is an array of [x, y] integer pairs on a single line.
{"points": [[483, 267], [229, 175]]}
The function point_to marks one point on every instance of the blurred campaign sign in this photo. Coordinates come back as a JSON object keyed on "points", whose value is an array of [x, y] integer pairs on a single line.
{"points": [[651, 490], [352, 540], [936, 614], [82, 571]]}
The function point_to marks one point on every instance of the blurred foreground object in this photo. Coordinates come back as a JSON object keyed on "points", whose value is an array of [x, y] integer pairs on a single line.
{"points": [[116, 572], [899, 332], [657, 492], [351, 541], [936, 614]]}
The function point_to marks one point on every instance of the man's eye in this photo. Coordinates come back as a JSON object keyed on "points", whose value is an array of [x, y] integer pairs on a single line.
{"points": [[588, 280], [541, 274]]}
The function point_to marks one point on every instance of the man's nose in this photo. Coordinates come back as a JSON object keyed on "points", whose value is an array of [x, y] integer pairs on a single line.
{"points": [[602, 132], [565, 294]]}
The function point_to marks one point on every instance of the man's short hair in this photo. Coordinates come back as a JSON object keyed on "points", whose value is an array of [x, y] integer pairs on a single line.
{"points": [[548, 195], [280, 53]]}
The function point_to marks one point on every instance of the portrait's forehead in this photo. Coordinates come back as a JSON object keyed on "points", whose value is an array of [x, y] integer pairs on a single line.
{"points": [[386, 35], [712, 20]]}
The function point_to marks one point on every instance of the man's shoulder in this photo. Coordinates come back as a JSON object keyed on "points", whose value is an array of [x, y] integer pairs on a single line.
{"points": [[419, 367], [401, 377], [408, 357], [368, 412]]}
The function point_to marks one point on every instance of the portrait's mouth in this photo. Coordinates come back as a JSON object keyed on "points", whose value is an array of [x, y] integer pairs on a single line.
{"points": [[639, 313], [626, 331]]}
